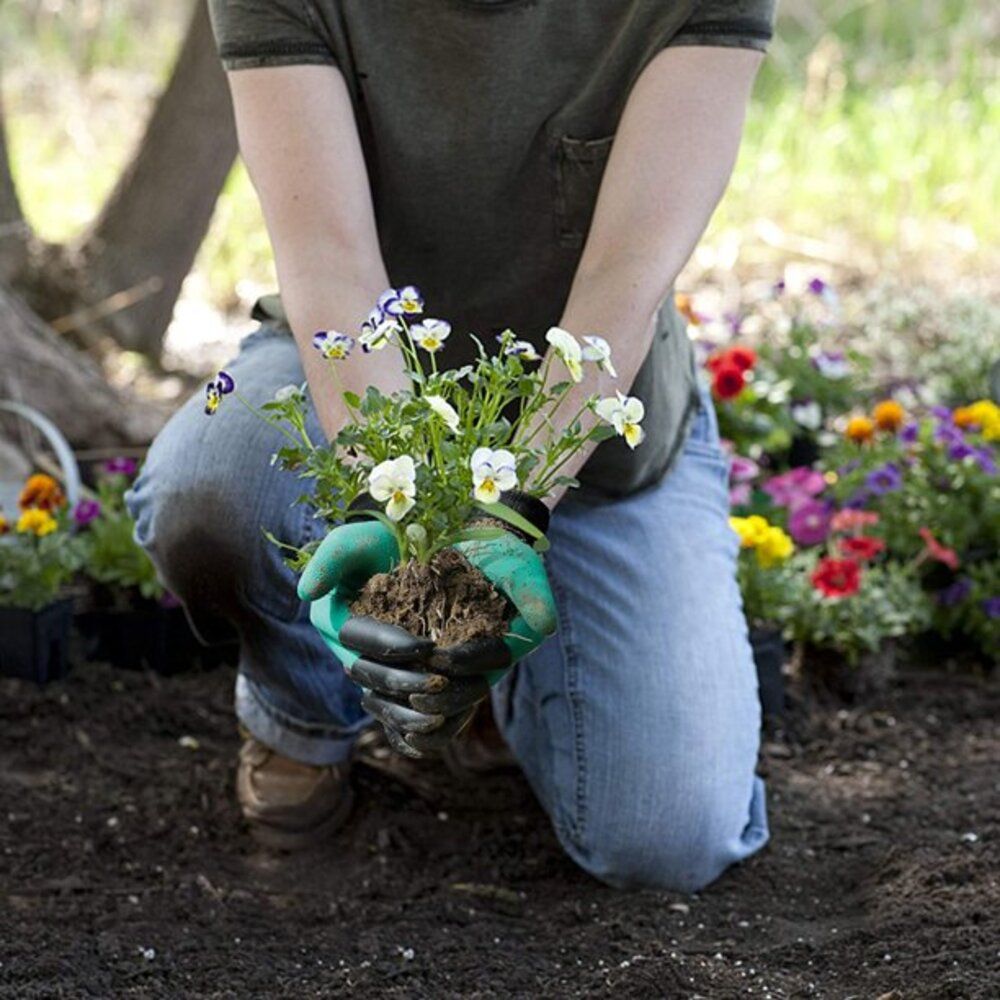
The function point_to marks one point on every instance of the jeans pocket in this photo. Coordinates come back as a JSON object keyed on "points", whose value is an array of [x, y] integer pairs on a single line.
{"points": [[580, 167]]}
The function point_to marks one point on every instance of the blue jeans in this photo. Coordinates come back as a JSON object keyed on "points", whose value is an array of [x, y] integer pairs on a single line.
{"points": [[637, 724]]}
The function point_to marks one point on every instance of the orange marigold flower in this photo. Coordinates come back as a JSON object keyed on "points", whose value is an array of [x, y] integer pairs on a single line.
{"points": [[964, 417], [41, 492], [686, 308], [860, 429], [889, 415]]}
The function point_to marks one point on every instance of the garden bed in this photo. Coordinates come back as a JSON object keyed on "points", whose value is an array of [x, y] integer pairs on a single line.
{"points": [[126, 871]]}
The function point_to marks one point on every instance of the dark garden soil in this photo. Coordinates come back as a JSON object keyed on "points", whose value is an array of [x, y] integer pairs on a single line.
{"points": [[125, 872], [447, 600]]}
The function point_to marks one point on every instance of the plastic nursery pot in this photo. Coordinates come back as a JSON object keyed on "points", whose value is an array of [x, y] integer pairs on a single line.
{"points": [[34, 645], [147, 637], [769, 658]]}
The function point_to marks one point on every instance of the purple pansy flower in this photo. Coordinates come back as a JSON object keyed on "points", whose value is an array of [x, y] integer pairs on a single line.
{"points": [[948, 434], [817, 286], [809, 522], [120, 466], [955, 593], [885, 479], [86, 511], [910, 433], [960, 450], [942, 414], [985, 461], [992, 607]]}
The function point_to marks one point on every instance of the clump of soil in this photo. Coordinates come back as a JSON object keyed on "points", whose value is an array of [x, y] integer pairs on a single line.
{"points": [[447, 600]]}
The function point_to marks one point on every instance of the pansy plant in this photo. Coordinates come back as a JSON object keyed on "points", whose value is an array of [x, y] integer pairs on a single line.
{"points": [[425, 459]]}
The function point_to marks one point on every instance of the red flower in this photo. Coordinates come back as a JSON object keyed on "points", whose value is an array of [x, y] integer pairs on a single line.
{"points": [[862, 547], [837, 577], [743, 357], [937, 551], [728, 382]]}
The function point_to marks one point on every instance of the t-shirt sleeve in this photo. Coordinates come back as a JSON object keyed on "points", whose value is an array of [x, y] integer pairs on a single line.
{"points": [[253, 33], [741, 24]]}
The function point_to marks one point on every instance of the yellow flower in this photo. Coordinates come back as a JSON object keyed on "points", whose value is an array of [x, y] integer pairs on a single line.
{"points": [[860, 429], [752, 530], [36, 522], [985, 414], [775, 547], [889, 415]]}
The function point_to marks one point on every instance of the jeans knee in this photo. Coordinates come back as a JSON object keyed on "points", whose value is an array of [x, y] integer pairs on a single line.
{"points": [[683, 844]]}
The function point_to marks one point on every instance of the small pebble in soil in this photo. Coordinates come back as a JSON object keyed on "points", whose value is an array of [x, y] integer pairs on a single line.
{"points": [[189, 743], [112, 822], [147, 953], [408, 954], [970, 837]]}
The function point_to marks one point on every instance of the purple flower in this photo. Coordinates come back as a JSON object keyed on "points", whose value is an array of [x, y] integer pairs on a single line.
{"points": [[86, 511], [225, 382], [992, 607], [795, 486], [910, 433], [817, 286], [809, 522], [742, 469], [120, 466], [955, 593], [942, 414], [960, 450], [858, 500], [985, 461], [948, 434], [735, 323], [884, 480]]}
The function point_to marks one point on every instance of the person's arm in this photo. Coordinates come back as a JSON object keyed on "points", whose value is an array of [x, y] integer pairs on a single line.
{"points": [[671, 160], [300, 142]]}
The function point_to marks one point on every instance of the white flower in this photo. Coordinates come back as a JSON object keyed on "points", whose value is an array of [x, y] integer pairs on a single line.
{"points": [[624, 413], [410, 300], [492, 473], [599, 350], [393, 483], [374, 338], [287, 392], [808, 415], [333, 345], [444, 410], [431, 334], [522, 349], [568, 348]]}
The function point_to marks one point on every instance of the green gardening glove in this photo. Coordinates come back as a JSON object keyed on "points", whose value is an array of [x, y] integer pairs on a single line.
{"points": [[422, 693]]}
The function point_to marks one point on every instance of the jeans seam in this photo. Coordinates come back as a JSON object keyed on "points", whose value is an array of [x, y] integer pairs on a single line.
{"points": [[578, 817]]}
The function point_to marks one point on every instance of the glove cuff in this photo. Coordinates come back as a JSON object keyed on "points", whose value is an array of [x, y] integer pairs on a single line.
{"points": [[530, 508]]}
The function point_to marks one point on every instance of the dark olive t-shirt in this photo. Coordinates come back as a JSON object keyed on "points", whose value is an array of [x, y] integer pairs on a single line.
{"points": [[486, 126]]}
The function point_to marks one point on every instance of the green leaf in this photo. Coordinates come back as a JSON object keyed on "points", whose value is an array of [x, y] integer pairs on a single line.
{"points": [[504, 513], [601, 432], [353, 399]]}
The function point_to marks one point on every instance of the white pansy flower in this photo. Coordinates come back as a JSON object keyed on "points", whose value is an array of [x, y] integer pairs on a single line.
{"points": [[374, 338], [568, 348], [410, 300], [492, 473], [522, 349], [333, 345], [287, 392], [430, 334], [807, 414], [599, 350], [624, 413], [393, 483], [444, 410]]}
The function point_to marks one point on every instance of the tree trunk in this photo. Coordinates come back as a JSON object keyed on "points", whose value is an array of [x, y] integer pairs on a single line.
{"points": [[39, 368], [150, 229], [13, 229]]}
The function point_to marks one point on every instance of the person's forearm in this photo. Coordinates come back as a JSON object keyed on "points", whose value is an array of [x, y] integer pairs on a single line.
{"points": [[655, 201], [327, 295]]}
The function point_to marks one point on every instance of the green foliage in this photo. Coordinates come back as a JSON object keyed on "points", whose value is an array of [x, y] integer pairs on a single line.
{"points": [[111, 555], [889, 604], [33, 570]]}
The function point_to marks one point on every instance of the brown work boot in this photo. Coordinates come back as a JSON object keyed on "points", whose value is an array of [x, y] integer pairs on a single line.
{"points": [[290, 805]]}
